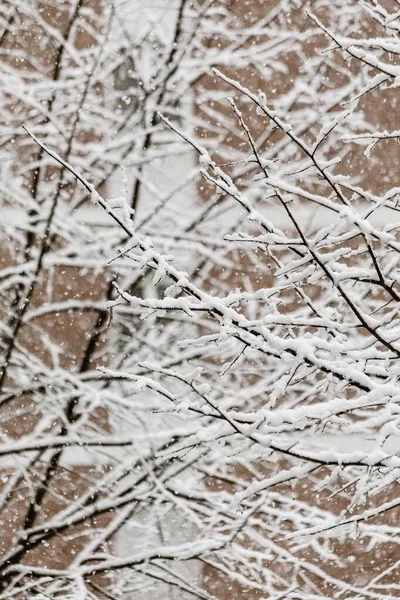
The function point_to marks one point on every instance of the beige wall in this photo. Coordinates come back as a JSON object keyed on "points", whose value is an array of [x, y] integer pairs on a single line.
{"points": [[72, 331]]}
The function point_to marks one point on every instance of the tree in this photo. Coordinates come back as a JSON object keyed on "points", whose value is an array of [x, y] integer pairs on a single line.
{"points": [[199, 378]]}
